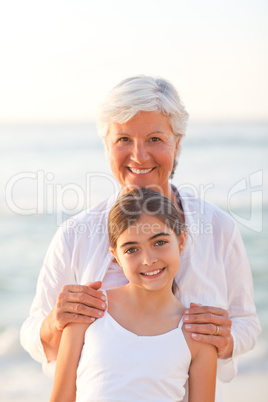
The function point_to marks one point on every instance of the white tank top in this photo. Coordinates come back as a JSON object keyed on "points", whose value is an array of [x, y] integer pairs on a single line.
{"points": [[118, 365]]}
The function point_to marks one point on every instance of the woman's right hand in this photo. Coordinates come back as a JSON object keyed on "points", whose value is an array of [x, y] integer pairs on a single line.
{"points": [[80, 304], [75, 303]]}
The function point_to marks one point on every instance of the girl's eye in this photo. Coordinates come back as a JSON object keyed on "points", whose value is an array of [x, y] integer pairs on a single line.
{"points": [[160, 242], [131, 250]]}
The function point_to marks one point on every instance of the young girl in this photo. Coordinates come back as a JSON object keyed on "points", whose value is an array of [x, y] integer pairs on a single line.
{"points": [[139, 350]]}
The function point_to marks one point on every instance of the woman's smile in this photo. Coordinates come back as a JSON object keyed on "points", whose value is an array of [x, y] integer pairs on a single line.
{"points": [[140, 171]]}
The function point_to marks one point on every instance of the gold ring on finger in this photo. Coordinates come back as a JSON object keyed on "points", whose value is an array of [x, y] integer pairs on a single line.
{"points": [[217, 331]]}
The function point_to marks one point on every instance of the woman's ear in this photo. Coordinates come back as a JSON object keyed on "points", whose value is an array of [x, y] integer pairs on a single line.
{"points": [[177, 145], [182, 241]]}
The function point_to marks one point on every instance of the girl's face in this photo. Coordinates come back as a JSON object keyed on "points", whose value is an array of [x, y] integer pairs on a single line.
{"points": [[149, 253]]}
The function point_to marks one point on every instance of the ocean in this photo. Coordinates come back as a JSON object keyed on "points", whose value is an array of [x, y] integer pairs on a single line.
{"points": [[50, 172]]}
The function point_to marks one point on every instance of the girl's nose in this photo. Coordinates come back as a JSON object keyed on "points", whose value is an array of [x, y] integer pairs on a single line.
{"points": [[149, 258]]}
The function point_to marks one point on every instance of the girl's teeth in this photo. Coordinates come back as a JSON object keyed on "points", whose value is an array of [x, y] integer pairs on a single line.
{"points": [[153, 272]]}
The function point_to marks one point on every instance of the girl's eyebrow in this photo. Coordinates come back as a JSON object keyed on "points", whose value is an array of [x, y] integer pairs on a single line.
{"points": [[159, 234], [130, 243]]}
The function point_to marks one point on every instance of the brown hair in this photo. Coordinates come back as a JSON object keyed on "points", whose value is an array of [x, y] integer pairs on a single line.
{"points": [[130, 206]]}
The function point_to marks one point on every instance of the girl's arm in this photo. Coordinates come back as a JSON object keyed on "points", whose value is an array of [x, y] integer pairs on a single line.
{"points": [[202, 372], [72, 340]]}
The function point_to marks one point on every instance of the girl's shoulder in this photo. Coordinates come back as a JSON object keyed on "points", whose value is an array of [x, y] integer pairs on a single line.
{"points": [[198, 349]]}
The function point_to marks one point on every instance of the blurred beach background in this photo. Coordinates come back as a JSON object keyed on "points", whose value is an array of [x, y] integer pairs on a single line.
{"points": [[58, 61]]}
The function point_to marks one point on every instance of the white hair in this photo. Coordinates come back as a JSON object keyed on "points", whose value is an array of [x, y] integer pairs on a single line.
{"points": [[142, 94]]}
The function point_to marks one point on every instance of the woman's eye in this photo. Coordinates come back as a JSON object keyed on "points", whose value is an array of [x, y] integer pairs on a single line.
{"points": [[131, 250], [123, 139], [155, 139], [160, 242]]}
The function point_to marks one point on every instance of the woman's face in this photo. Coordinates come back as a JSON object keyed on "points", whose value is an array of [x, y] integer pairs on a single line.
{"points": [[142, 151]]}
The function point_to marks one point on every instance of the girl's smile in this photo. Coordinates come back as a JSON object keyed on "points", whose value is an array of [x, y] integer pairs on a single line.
{"points": [[153, 274]]}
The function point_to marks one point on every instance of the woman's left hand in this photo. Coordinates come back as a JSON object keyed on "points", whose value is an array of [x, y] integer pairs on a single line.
{"points": [[210, 325]]}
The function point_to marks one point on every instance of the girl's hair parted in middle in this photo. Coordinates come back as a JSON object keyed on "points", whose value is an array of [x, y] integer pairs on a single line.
{"points": [[130, 206]]}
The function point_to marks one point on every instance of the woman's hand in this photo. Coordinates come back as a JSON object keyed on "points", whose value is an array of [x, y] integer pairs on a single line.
{"points": [[75, 303], [80, 304], [210, 325]]}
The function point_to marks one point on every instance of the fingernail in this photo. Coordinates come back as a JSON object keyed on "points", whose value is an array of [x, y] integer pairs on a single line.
{"points": [[188, 326], [103, 298], [186, 318], [103, 305], [186, 312], [194, 335], [100, 313], [92, 318]]}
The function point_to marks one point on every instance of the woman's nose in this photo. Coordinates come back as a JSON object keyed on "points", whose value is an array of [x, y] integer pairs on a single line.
{"points": [[139, 153]]}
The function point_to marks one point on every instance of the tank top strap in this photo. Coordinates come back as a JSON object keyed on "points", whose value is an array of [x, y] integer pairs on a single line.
{"points": [[181, 323]]}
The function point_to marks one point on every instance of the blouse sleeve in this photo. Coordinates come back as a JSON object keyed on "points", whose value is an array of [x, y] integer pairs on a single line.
{"points": [[55, 273], [242, 310]]}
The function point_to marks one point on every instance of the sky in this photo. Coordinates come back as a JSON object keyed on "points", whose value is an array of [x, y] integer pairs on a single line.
{"points": [[60, 57]]}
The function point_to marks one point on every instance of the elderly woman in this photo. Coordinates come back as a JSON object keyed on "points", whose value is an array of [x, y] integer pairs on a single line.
{"points": [[142, 122]]}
